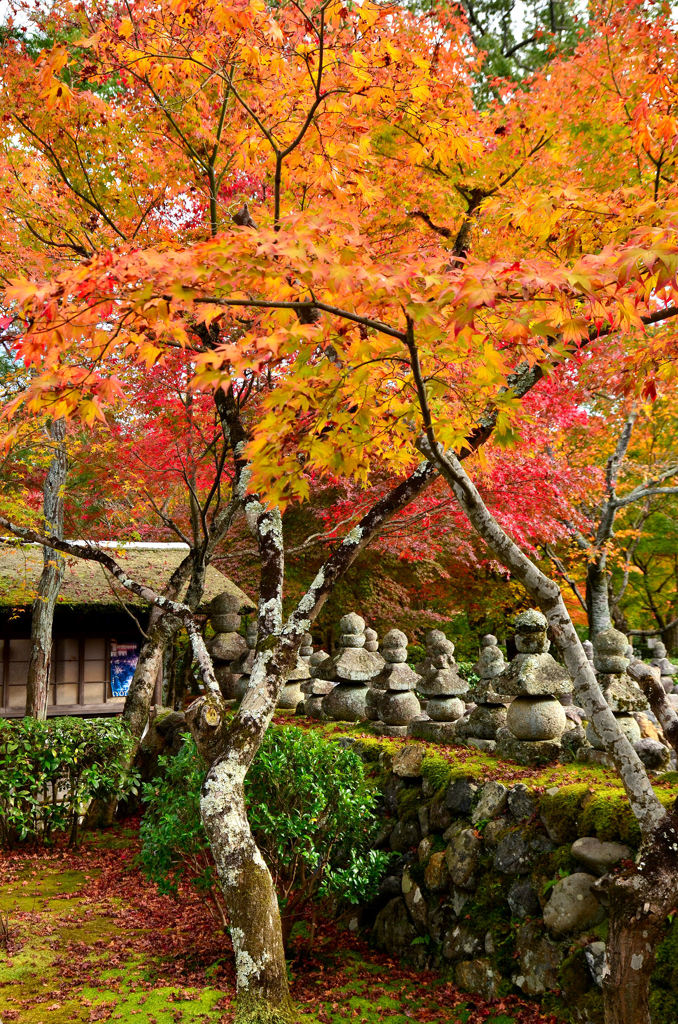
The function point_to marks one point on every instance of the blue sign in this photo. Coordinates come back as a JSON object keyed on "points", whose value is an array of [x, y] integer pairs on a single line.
{"points": [[124, 658]]}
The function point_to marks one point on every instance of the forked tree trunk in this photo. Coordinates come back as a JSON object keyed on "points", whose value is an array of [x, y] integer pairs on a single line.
{"points": [[229, 747], [49, 584], [161, 628], [597, 599], [140, 693]]}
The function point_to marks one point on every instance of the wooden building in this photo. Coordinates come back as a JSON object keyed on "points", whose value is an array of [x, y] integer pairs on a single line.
{"points": [[97, 625]]}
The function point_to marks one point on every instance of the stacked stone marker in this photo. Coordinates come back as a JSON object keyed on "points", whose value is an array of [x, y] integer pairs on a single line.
{"points": [[242, 667], [227, 645], [619, 690], [317, 687], [442, 686], [374, 694], [666, 668], [352, 668], [392, 700], [536, 719], [479, 729], [371, 641], [291, 695]]}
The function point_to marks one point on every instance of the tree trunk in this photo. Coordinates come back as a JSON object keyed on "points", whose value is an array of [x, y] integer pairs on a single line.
{"points": [[250, 896], [161, 628], [640, 901], [670, 638], [140, 694], [597, 598], [229, 746], [50, 580]]}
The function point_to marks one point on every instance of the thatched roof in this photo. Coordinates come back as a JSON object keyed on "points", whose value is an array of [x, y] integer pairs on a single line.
{"points": [[88, 583]]}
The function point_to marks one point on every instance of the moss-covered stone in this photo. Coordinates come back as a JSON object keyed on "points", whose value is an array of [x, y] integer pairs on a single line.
{"points": [[436, 770], [608, 816], [408, 802], [574, 975], [560, 810]]}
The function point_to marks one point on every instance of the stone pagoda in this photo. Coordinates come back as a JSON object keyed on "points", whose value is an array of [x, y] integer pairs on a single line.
{"points": [[621, 693], [242, 667], [535, 720], [351, 668], [291, 695], [442, 687], [391, 701], [666, 668], [227, 645], [479, 728], [317, 687]]}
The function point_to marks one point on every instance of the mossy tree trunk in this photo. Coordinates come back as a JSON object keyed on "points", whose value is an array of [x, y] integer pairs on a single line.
{"points": [[639, 904], [245, 880]]}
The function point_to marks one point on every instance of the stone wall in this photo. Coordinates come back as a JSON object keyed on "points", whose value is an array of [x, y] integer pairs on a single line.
{"points": [[501, 885]]}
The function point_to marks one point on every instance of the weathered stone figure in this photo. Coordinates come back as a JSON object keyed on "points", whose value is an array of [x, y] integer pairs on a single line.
{"points": [[242, 666], [227, 646], [479, 728], [317, 687], [535, 719], [666, 668], [352, 668], [392, 702], [442, 686], [291, 694], [621, 693]]}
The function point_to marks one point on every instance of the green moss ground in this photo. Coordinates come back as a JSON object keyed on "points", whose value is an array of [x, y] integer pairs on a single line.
{"points": [[91, 940], [64, 943]]}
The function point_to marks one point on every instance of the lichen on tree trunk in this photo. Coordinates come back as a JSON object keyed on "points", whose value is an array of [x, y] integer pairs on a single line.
{"points": [[245, 880], [597, 598], [640, 901]]}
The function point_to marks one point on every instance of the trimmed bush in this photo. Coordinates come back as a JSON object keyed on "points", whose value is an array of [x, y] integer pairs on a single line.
{"points": [[50, 771], [312, 813]]}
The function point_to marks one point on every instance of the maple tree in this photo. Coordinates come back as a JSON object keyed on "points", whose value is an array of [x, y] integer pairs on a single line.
{"points": [[303, 200], [636, 481], [650, 575]]}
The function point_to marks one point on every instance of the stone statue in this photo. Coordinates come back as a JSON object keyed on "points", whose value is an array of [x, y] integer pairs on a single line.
{"points": [[392, 702], [352, 668], [442, 686], [479, 728], [535, 720]]}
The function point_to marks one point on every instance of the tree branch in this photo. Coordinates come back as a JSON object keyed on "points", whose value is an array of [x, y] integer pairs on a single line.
{"points": [[648, 678], [91, 552]]}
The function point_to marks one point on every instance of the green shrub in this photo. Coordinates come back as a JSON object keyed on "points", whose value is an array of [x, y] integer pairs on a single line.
{"points": [[465, 669], [312, 813], [50, 771]]}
